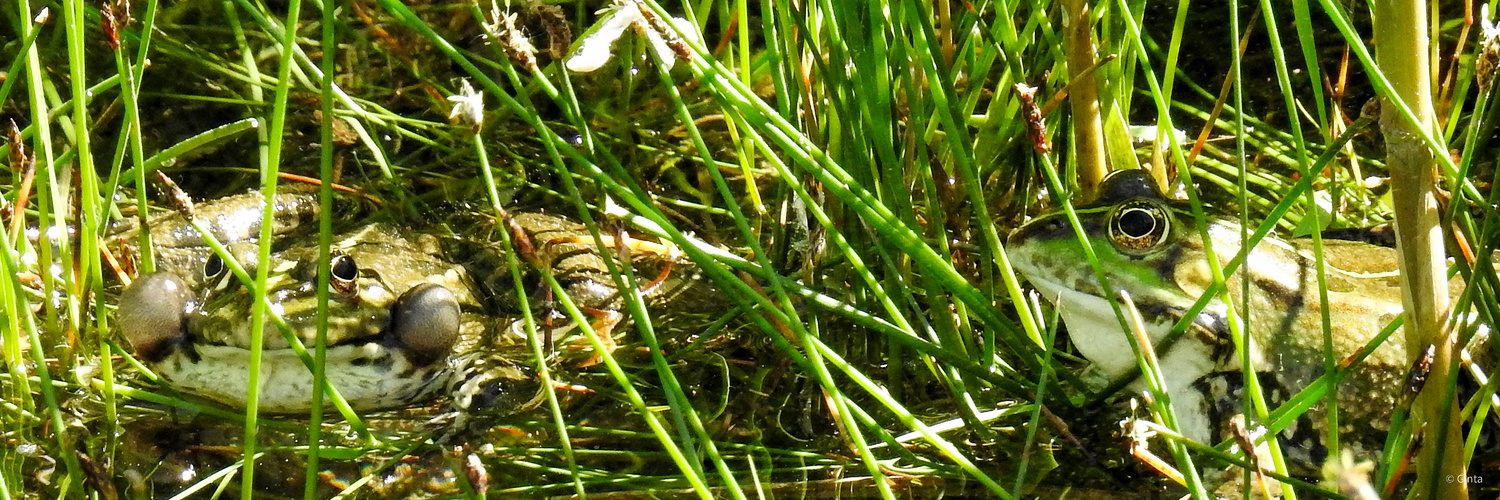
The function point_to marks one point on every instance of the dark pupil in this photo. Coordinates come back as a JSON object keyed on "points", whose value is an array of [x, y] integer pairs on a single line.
{"points": [[1137, 223], [344, 268], [214, 267]]}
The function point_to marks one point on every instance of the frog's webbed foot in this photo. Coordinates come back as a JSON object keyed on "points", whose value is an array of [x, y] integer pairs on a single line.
{"points": [[571, 337], [584, 270], [549, 242], [555, 244], [604, 325]]}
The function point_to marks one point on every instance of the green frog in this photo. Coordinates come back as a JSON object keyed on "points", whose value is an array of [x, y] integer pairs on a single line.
{"points": [[1153, 251], [412, 313]]}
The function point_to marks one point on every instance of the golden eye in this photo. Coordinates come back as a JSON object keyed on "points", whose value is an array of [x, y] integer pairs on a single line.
{"points": [[1139, 225]]}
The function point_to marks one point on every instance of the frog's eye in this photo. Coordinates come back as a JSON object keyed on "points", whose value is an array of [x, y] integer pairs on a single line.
{"points": [[342, 273], [216, 273], [1139, 226]]}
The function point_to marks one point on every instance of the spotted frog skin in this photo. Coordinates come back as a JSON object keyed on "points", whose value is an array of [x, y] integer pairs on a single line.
{"points": [[412, 314], [1154, 252]]}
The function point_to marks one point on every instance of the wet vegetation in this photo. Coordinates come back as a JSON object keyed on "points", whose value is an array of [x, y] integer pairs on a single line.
{"points": [[841, 176]]}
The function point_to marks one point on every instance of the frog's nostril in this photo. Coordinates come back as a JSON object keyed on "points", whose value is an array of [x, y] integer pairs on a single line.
{"points": [[152, 314], [425, 321]]}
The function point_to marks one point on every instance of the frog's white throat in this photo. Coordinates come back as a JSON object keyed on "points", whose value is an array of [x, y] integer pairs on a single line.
{"points": [[1096, 334]]}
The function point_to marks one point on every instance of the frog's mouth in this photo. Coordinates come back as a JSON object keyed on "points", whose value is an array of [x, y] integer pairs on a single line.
{"points": [[406, 361]]}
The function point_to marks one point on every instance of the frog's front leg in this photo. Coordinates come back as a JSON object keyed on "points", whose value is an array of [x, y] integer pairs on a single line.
{"points": [[1223, 397], [1183, 365], [486, 385]]}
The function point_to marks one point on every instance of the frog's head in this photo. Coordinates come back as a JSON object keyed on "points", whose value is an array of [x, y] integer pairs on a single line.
{"points": [[1133, 231], [393, 319], [1141, 245]]}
